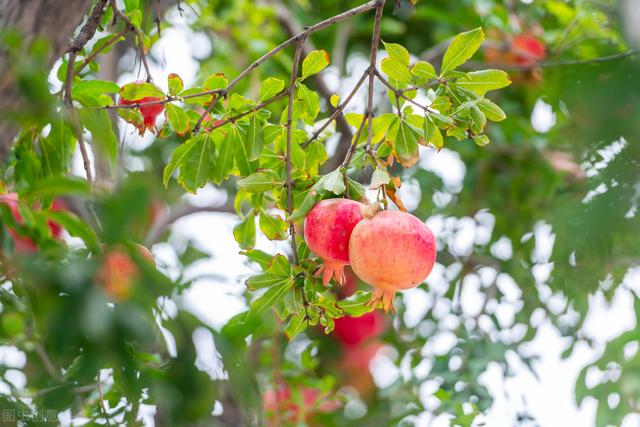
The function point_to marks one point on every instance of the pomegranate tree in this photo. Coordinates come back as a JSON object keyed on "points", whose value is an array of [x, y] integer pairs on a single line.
{"points": [[327, 229], [119, 272], [391, 251]]}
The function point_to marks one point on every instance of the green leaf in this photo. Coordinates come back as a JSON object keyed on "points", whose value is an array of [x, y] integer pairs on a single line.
{"points": [[178, 119], [406, 145], [315, 62], [57, 186], [423, 71], [396, 70], [226, 154], [397, 52], [94, 88], [310, 100], [245, 231], [255, 137], [356, 304], [432, 134], [132, 116], [265, 280], [138, 90], [216, 81], [260, 257], [98, 122], [176, 85], [75, 227], [305, 207], [269, 298], [334, 100], [481, 140], [194, 158], [463, 46], [491, 110], [442, 104], [189, 96], [379, 178], [280, 266], [273, 226], [244, 148], [258, 182], [478, 120], [296, 325], [483, 81], [270, 87], [333, 182]]}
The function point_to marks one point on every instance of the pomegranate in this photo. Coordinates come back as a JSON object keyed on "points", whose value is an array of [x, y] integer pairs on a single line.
{"points": [[22, 244], [391, 251], [119, 272], [281, 406], [352, 331], [527, 50], [327, 229], [149, 112]]}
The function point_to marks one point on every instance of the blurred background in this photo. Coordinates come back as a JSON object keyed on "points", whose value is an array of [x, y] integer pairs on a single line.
{"points": [[529, 317]]}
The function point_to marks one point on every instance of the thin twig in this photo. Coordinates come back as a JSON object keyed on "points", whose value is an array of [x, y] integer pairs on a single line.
{"points": [[73, 115], [398, 93], [252, 110], [167, 218], [551, 64], [337, 111], [310, 30], [157, 18], [140, 39], [95, 53], [44, 358], [292, 84], [368, 116], [102, 407]]}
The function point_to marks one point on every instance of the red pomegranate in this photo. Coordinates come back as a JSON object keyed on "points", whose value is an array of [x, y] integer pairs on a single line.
{"points": [[327, 229], [119, 272], [22, 244], [280, 406], [149, 112], [353, 331], [527, 50], [391, 251]]}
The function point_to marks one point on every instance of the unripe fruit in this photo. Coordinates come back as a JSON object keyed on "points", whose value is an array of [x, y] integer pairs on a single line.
{"points": [[391, 251], [327, 229], [149, 112], [119, 272]]}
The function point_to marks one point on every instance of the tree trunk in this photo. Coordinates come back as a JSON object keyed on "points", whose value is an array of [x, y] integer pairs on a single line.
{"points": [[51, 20]]}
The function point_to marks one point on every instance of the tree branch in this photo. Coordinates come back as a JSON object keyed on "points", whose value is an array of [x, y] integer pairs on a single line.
{"points": [[73, 115], [143, 57], [89, 29], [169, 217], [312, 29], [371, 72], [292, 83], [337, 112]]}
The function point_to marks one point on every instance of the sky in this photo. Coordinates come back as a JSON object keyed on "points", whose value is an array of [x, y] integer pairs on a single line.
{"points": [[549, 398]]}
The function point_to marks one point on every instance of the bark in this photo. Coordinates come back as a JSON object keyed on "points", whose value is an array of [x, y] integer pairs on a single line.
{"points": [[52, 20]]}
